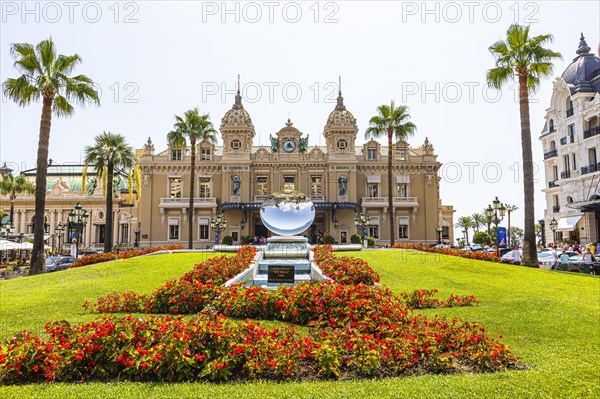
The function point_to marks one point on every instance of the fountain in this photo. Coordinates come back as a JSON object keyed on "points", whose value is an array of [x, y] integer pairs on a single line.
{"points": [[286, 259]]}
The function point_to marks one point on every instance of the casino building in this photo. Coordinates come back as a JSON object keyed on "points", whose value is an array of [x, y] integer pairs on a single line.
{"points": [[342, 180]]}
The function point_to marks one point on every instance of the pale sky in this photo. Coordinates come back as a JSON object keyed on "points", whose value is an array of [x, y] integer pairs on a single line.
{"points": [[154, 59]]}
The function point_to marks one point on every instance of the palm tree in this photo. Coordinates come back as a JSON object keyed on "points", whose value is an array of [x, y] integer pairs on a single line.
{"points": [[391, 121], [522, 57], [12, 186], [47, 75], [511, 208], [478, 220], [109, 152], [465, 223], [195, 128]]}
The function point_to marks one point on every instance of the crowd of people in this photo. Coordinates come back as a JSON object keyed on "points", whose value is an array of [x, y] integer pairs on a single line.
{"points": [[562, 253]]}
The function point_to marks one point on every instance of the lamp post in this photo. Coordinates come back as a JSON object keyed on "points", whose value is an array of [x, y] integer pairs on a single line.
{"points": [[77, 221], [21, 237], [362, 220], [218, 224], [439, 230], [553, 227], [136, 243], [59, 231], [495, 214]]}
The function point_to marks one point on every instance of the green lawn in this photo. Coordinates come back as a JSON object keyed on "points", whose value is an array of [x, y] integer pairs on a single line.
{"points": [[550, 319]]}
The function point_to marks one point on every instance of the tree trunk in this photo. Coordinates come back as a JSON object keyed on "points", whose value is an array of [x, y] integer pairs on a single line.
{"points": [[390, 193], [12, 209], [508, 238], [529, 249], [108, 231], [38, 260], [191, 206]]}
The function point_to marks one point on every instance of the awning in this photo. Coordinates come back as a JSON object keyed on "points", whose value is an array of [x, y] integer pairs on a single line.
{"points": [[568, 223], [374, 179]]}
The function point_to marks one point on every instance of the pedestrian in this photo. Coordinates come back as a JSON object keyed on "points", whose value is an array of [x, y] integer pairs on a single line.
{"points": [[555, 257], [564, 260], [516, 255], [592, 248], [588, 258]]}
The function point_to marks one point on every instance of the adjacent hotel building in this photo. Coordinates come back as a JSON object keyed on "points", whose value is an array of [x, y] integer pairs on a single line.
{"points": [[570, 140]]}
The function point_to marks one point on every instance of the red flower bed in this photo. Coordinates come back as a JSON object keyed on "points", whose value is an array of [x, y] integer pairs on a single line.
{"points": [[211, 347], [356, 331], [344, 269], [478, 255], [187, 295], [108, 256], [425, 299]]}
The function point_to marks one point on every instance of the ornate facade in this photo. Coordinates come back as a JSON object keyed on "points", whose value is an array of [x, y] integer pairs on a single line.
{"points": [[570, 140], [340, 178]]}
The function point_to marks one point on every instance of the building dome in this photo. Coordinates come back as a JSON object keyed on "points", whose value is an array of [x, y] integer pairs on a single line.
{"points": [[340, 116], [237, 116], [584, 72]]}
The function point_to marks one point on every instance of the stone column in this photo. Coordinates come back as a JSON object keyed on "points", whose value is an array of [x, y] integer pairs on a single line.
{"points": [[52, 220], [24, 221], [88, 235]]}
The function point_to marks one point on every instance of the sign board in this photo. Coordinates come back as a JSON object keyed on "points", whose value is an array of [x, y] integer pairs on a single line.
{"points": [[501, 237], [280, 274]]}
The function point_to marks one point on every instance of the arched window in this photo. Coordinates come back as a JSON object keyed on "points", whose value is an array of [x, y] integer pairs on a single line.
{"points": [[551, 125]]}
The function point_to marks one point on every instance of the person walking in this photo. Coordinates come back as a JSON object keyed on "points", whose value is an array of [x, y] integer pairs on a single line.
{"points": [[555, 256], [516, 255], [588, 259], [564, 261]]}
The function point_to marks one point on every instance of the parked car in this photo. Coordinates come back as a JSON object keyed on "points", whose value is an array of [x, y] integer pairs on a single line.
{"points": [[576, 263], [57, 263], [508, 257], [87, 253], [546, 259]]}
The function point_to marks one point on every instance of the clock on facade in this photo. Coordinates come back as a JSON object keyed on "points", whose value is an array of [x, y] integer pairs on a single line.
{"points": [[289, 145]]}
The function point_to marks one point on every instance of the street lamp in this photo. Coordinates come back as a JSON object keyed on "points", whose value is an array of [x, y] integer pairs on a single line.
{"points": [[218, 224], [136, 243], [495, 214], [553, 227], [59, 231], [439, 230], [77, 221], [362, 220]]}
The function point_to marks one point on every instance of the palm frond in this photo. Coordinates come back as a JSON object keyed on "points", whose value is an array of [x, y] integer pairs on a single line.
{"points": [[20, 90]]}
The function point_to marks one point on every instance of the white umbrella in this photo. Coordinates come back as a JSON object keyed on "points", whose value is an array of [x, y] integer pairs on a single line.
{"points": [[6, 245]]}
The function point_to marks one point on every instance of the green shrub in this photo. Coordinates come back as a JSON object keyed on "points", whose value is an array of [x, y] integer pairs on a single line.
{"points": [[355, 239], [370, 241], [245, 240], [482, 238], [227, 240], [330, 240]]}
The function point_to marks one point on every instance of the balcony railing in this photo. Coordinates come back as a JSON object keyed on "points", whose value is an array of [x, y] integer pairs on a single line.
{"points": [[590, 168], [552, 129], [569, 112], [556, 208], [591, 132], [209, 202], [552, 184], [565, 175], [551, 154], [383, 201]]}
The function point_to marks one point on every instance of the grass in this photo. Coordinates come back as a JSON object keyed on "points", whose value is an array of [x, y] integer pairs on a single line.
{"points": [[550, 319]]}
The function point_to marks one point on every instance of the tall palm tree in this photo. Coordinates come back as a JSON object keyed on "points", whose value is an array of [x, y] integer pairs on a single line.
{"points": [[478, 220], [13, 186], [391, 122], [524, 58], [195, 128], [109, 152], [465, 223], [47, 75], [511, 208]]}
